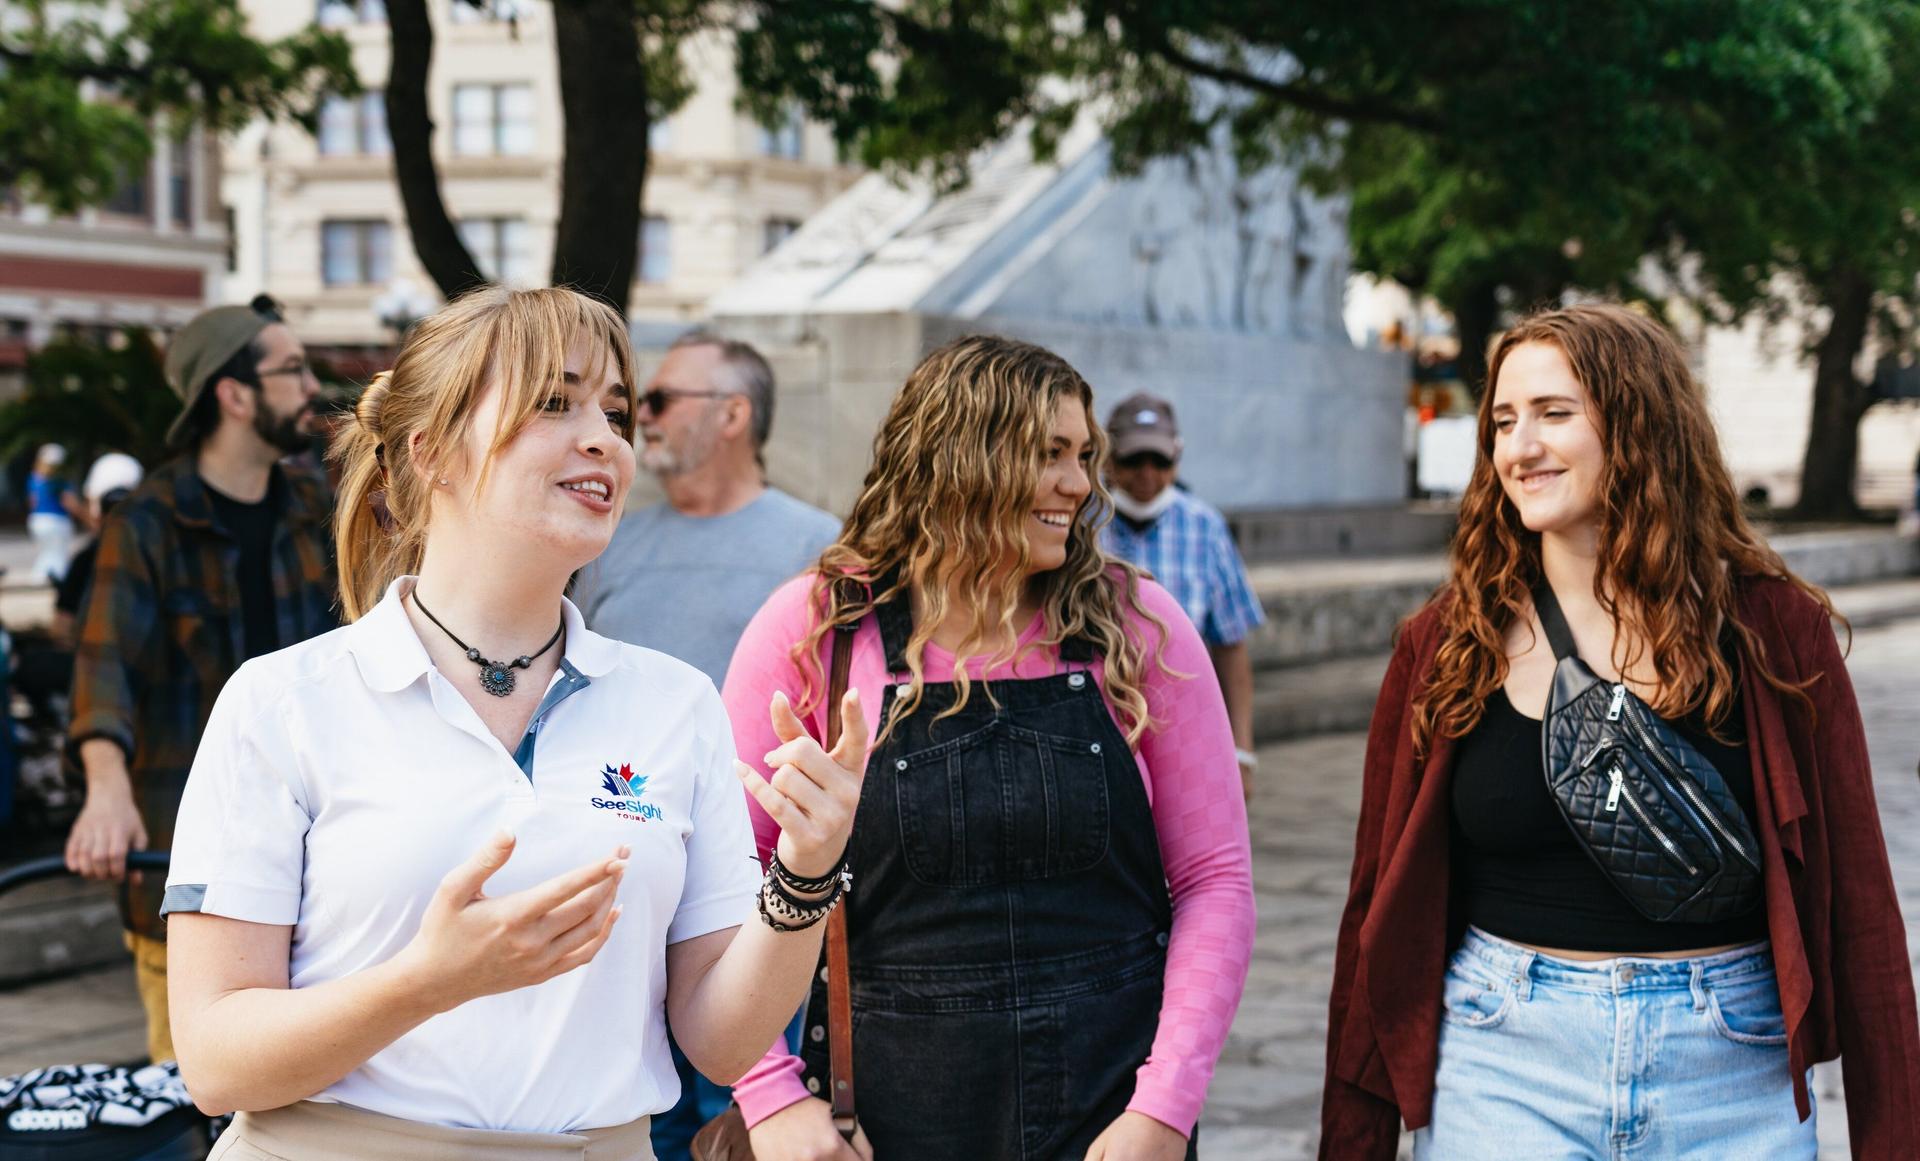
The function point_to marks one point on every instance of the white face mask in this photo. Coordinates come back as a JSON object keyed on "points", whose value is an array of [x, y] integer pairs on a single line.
{"points": [[1145, 513]]}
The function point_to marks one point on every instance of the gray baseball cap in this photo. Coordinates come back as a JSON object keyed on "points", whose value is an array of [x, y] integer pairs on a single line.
{"points": [[202, 347], [1144, 423]]}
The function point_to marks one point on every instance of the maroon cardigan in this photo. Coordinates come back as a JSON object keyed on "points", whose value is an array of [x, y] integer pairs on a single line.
{"points": [[1839, 947]]}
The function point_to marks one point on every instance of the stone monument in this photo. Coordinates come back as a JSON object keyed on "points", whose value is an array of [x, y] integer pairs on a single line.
{"points": [[1217, 289]]}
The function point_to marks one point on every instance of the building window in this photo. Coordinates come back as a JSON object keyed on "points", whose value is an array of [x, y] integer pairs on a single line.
{"points": [[351, 126], [180, 182], [501, 247], [656, 249], [356, 253], [493, 120], [784, 139], [485, 11], [776, 231], [134, 198], [233, 244], [344, 13]]}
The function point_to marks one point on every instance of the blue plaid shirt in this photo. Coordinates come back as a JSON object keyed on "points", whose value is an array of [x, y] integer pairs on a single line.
{"points": [[1190, 551]]}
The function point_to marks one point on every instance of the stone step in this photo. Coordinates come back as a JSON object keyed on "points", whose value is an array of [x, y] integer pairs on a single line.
{"points": [[1337, 694], [1319, 610], [58, 926]]}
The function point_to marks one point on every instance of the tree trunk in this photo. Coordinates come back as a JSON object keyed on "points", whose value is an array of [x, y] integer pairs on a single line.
{"points": [[1475, 316], [441, 250], [1839, 401], [603, 96]]}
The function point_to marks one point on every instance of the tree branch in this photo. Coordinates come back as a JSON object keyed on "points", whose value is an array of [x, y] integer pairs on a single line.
{"points": [[438, 244], [604, 163], [76, 67], [1299, 96]]}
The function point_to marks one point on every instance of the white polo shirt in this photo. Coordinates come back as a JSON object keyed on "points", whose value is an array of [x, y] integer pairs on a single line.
{"points": [[340, 779]]}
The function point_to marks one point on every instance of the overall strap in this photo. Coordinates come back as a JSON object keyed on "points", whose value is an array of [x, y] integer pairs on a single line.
{"points": [[1547, 606], [896, 629], [839, 987]]}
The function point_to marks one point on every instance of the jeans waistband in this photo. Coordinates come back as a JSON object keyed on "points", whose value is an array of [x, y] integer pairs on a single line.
{"points": [[1510, 961]]}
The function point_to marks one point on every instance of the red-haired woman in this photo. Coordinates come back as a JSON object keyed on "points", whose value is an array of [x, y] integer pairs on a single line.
{"points": [[1504, 982]]}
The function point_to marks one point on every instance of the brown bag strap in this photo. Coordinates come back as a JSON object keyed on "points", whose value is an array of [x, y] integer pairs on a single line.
{"points": [[839, 994]]}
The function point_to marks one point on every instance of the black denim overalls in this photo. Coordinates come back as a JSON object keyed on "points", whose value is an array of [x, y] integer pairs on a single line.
{"points": [[1007, 928]]}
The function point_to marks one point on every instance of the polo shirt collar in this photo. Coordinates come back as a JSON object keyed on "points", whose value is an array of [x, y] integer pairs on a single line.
{"points": [[391, 657]]}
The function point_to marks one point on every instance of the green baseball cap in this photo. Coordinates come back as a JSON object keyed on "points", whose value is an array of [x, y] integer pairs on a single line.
{"points": [[202, 347]]}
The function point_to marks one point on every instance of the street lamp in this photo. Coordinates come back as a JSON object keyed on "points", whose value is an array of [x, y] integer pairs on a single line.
{"points": [[402, 305]]}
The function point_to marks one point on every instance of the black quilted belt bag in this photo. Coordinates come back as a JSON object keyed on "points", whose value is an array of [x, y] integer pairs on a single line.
{"points": [[1653, 812]]}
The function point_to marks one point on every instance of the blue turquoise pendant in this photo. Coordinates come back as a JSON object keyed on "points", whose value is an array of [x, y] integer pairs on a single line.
{"points": [[496, 678]]}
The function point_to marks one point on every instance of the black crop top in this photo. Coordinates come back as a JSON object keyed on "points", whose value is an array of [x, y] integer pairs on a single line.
{"points": [[1519, 872]]}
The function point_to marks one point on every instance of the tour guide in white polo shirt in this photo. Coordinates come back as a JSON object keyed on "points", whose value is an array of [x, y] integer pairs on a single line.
{"points": [[439, 875]]}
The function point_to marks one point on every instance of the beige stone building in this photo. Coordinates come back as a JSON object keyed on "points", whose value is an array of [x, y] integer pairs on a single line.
{"points": [[317, 219], [154, 255]]}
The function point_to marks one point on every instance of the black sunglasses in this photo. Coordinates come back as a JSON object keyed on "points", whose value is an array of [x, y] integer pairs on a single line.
{"points": [[1144, 459], [657, 399]]}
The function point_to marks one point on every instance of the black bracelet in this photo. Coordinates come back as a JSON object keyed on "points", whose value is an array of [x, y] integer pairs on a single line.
{"points": [[795, 914], [780, 871]]}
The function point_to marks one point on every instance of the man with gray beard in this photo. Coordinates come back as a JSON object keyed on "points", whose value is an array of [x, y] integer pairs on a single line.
{"points": [[686, 575]]}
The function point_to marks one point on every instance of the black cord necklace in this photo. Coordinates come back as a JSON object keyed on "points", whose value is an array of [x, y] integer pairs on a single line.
{"points": [[496, 677]]}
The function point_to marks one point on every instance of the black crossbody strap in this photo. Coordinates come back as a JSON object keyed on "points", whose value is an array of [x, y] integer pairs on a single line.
{"points": [[1553, 621]]}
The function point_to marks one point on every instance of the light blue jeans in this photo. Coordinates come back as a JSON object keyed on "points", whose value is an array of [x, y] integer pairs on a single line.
{"points": [[1551, 1059]]}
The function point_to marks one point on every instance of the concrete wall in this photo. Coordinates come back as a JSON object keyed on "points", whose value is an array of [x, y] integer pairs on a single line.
{"points": [[1258, 435]]}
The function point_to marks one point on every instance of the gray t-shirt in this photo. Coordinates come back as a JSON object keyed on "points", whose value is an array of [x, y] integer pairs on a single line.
{"points": [[688, 585]]}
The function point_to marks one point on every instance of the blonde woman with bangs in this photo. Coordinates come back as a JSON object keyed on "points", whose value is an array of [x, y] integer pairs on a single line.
{"points": [[1053, 911], [403, 923]]}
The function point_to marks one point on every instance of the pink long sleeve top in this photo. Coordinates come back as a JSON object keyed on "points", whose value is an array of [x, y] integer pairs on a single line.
{"points": [[1193, 785]]}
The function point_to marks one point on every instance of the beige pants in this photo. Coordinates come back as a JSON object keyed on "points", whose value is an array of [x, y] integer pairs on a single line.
{"points": [[321, 1132], [150, 976]]}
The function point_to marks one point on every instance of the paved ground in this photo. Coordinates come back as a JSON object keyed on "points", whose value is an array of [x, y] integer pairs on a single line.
{"points": [[1266, 1095]]}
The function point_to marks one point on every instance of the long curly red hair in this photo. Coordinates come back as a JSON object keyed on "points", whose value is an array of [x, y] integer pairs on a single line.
{"points": [[1673, 541]]}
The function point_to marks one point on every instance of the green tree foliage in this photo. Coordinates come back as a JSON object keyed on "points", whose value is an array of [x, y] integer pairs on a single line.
{"points": [[83, 83], [1499, 153], [1840, 232], [93, 399]]}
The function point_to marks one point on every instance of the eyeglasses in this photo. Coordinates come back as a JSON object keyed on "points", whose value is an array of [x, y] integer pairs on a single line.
{"points": [[301, 369], [1144, 459], [657, 399]]}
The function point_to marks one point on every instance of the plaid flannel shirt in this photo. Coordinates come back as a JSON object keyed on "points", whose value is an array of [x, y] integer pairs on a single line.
{"points": [[1190, 551], [161, 631]]}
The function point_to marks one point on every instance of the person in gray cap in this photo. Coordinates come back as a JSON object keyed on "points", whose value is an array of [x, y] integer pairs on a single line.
{"points": [[1185, 543], [219, 555]]}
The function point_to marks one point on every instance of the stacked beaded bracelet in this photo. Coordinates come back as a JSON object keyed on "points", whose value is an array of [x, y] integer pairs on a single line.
{"points": [[781, 907]]}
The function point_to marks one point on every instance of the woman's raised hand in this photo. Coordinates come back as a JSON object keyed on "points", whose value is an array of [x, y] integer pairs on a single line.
{"points": [[471, 945], [813, 793]]}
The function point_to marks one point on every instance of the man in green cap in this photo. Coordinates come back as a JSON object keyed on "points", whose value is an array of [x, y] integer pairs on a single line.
{"points": [[221, 554]]}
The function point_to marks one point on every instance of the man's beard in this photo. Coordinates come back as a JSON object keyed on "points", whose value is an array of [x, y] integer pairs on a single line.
{"points": [[697, 446], [282, 431]]}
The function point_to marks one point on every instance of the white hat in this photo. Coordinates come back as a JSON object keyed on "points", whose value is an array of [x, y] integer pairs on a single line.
{"points": [[51, 453], [110, 471]]}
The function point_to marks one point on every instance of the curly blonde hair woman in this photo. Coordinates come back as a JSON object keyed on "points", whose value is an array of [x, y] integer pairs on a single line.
{"points": [[1053, 911], [385, 943]]}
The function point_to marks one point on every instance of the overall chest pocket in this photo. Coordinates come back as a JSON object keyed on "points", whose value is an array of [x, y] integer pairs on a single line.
{"points": [[1001, 804]]}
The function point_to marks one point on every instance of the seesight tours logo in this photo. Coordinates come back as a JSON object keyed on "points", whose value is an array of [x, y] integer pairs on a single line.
{"points": [[626, 787]]}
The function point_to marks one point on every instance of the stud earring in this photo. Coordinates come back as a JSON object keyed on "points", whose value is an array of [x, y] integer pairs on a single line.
{"points": [[443, 481]]}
